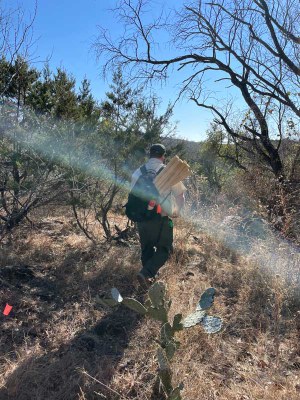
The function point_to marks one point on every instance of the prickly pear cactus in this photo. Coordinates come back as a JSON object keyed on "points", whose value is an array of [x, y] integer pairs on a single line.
{"points": [[157, 307], [209, 323]]}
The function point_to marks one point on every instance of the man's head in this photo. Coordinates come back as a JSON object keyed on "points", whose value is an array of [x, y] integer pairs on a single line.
{"points": [[157, 150]]}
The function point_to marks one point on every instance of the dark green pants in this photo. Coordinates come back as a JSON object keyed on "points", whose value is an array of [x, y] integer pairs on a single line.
{"points": [[156, 237]]}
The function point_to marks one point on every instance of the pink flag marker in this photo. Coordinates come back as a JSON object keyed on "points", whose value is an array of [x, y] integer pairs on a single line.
{"points": [[7, 309]]}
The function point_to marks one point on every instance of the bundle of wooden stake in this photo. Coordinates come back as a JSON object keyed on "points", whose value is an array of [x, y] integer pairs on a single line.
{"points": [[175, 171]]}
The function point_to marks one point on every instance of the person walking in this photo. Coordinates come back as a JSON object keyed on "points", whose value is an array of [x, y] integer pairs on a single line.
{"points": [[156, 234]]}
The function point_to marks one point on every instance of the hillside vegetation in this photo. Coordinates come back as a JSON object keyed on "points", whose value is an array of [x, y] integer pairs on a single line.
{"points": [[66, 159], [57, 343]]}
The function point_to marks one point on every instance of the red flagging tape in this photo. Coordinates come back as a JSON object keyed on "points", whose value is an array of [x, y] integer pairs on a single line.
{"points": [[7, 309]]}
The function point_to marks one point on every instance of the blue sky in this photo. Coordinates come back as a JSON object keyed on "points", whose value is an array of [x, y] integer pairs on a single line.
{"points": [[65, 30]]}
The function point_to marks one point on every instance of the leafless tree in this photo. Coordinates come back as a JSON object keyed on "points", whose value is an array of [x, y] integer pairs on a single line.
{"points": [[16, 39], [16, 34], [29, 175], [249, 48]]}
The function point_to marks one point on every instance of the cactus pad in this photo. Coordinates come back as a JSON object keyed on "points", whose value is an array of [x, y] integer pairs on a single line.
{"points": [[170, 349], [193, 319], [157, 294], [107, 302], [206, 300], [116, 295], [167, 340], [134, 305], [166, 333], [177, 325], [165, 373], [175, 395], [212, 324], [160, 314]]}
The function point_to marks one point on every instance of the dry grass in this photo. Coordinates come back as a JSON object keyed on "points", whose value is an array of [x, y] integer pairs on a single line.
{"points": [[58, 344]]}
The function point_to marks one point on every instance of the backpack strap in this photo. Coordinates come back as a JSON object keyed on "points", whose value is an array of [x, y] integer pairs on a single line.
{"points": [[160, 169], [143, 170]]}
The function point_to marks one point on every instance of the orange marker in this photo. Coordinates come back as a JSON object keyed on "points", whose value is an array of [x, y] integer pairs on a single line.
{"points": [[7, 309]]}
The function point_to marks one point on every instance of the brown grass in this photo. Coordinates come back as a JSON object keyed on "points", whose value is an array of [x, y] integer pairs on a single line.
{"points": [[59, 344]]}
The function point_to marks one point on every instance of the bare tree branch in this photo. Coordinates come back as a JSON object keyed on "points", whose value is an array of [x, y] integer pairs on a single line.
{"points": [[251, 43]]}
